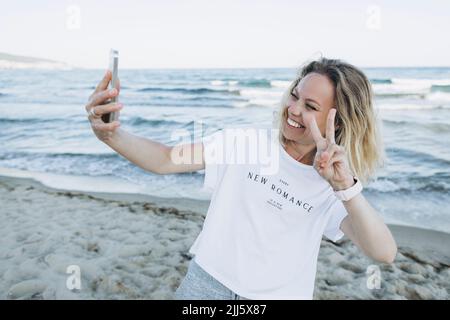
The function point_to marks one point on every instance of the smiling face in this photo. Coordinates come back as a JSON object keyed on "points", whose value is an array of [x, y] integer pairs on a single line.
{"points": [[312, 97]]}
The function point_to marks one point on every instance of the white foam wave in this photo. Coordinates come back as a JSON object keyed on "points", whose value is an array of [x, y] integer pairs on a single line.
{"points": [[383, 186], [269, 103], [410, 106], [217, 83], [439, 97], [257, 93], [280, 84], [422, 82], [408, 86], [224, 83]]}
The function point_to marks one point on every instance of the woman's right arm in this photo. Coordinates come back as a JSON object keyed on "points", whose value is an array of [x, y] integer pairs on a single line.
{"points": [[145, 153]]}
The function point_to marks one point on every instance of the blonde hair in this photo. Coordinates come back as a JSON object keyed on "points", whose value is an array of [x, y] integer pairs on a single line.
{"points": [[357, 126]]}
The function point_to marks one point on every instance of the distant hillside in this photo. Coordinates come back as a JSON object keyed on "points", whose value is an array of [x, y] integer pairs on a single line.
{"points": [[11, 61]]}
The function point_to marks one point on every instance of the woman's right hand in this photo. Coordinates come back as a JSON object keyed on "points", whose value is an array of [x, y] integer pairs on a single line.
{"points": [[98, 105]]}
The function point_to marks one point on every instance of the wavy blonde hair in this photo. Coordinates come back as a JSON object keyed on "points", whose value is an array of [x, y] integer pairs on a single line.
{"points": [[358, 129]]}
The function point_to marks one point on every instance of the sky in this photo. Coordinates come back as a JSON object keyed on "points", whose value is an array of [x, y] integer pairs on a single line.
{"points": [[228, 33]]}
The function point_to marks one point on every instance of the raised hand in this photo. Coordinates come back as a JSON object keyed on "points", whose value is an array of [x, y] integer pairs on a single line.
{"points": [[98, 105], [330, 160]]}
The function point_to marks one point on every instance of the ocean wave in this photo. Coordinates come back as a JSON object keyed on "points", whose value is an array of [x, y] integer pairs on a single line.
{"points": [[381, 81], [421, 82], [93, 164], [256, 83], [86, 164], [83, 164], [212, 98], [410, 106], [440, 88], [37, 120], [437, 127], [404, 87], [280, 84], [168, 100], [255, 103], [53, 155], [260, 83], [416, 157], [258, 93], [189, 91], [438, 183], [224, 82], [439, 96], [400, 95], [137, 121]]}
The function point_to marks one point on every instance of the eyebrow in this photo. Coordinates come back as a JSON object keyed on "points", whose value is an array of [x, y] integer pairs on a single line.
{"points": [[308, 99]]}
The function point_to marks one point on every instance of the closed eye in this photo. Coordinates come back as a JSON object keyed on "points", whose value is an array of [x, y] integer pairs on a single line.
{"points": [[292, 94], [307, 105]]}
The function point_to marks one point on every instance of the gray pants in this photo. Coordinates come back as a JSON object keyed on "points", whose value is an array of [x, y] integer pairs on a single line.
{"points": [[200, 285]]}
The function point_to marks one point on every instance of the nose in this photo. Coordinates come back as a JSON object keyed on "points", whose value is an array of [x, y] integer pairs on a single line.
{"points": [[296, 108]]}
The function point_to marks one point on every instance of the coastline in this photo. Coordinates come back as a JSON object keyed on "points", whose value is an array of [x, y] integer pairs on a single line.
{"points": [[122, 257]]}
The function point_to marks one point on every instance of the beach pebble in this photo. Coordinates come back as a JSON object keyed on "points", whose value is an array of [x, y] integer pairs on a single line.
{"points": [[339, 277], [419, 292], [156, 271], [417, 279], [90, 271], [26, 289], [58, 263], [335, 258], [352, 267], [414, 268], [134, 250]]}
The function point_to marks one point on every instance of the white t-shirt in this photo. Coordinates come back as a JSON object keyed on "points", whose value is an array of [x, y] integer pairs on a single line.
{"points": [[262, 232]]}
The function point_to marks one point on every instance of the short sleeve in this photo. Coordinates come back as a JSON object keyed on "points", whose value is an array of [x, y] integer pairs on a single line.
{"points": [[336, 216], [213, 155]]}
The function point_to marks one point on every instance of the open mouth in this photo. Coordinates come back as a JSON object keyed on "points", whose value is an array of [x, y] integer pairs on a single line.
{"points": [[294, 124]]}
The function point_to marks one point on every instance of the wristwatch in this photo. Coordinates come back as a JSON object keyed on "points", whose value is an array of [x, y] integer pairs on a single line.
{"points": [[349, 193]]}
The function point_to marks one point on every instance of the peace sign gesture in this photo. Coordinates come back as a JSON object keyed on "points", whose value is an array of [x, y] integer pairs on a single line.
{"points": [[330, 160]]}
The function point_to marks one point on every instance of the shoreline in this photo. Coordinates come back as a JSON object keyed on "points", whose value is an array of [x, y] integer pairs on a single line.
{"points": [[179, 203], [135, 246]]}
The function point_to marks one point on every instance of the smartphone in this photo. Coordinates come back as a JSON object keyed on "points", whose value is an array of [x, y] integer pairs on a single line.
{"points": [[114, 68]]}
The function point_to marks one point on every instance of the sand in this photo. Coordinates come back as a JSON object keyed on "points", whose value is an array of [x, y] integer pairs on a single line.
{"points": [[130, 246]]}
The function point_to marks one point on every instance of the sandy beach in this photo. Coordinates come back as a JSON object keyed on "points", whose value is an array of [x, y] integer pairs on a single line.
{"points": [[131, 246]]}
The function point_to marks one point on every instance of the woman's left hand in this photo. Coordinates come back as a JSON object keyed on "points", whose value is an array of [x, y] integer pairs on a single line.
{"points": [[330, 160]]}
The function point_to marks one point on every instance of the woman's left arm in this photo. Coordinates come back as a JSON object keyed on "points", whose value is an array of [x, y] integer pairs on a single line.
{"points": [[363, 225]]}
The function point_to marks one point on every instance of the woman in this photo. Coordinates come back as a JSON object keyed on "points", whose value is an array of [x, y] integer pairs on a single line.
{"points": [[262, 233]]}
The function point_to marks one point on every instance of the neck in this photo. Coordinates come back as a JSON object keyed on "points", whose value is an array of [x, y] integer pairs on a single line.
{"points": [[302, 153]]}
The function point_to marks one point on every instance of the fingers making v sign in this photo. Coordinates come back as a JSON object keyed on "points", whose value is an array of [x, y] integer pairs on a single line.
{"points": [[330, 160]]}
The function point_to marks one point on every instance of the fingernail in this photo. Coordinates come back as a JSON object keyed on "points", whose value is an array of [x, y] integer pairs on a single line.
{"points": [[113, 91]]}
